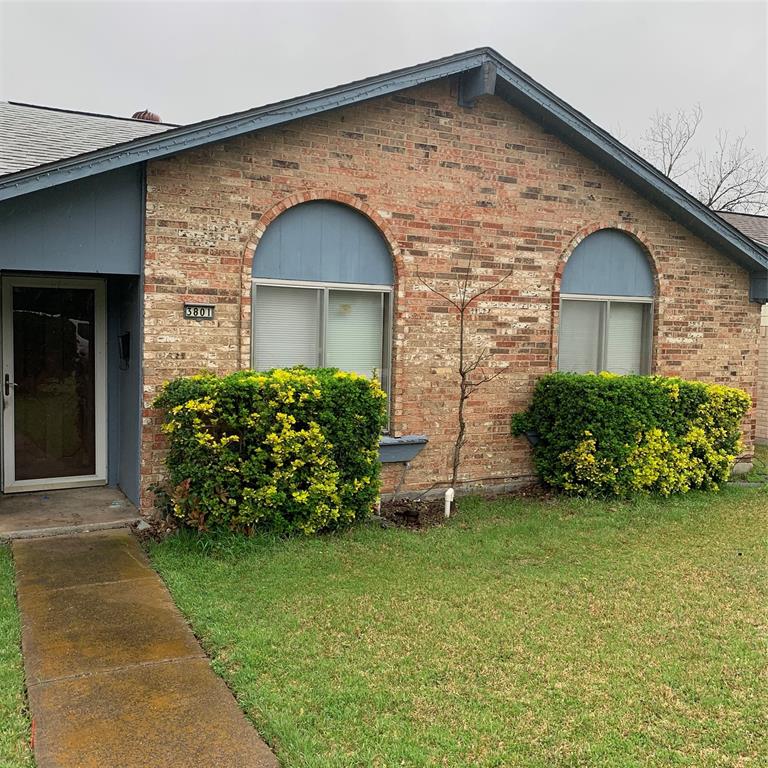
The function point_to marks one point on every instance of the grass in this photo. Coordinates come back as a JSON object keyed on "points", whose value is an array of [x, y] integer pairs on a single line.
{"points": [[524, 633], [14, 723]]}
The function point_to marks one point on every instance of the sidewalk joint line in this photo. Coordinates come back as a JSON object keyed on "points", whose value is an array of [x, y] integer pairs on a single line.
{"points": [[32, 588], [122, 668]]}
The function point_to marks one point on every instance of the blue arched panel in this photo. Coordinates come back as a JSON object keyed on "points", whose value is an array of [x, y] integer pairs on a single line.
{"points": [[326, 242], [608, 263]]}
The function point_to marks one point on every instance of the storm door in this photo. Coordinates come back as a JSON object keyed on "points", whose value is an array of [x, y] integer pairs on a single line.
{"points": [[54, 383]]}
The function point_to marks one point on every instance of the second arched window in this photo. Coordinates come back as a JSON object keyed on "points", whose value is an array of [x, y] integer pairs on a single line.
{"points": [[606, 306]]}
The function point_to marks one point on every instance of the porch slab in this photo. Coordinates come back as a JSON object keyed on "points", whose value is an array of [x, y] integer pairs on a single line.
{"points": [[52, 513]]}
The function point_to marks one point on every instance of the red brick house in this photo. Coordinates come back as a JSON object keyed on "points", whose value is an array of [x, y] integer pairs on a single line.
{"points": [[755, 227], [302, 232]]}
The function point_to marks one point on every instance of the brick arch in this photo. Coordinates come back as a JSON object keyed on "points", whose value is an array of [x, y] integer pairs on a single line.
{"points": [[261, 227], [641, 238]]}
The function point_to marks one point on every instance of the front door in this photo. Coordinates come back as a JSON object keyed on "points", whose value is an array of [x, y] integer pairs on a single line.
{"points": [[54, 383]]}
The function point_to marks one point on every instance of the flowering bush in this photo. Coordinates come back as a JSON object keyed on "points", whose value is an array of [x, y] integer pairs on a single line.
{"points": [[286, 450], [618, 435]]}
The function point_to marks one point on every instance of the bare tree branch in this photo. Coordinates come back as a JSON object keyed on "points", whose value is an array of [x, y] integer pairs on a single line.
{"points": [[733, 177], [489, 288], [668, 138], [438, 293]]}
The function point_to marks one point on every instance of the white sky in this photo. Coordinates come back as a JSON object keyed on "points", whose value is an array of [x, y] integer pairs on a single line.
{"points": [[618, 62]]}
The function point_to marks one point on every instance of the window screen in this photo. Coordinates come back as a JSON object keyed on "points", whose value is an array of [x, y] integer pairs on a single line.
{"points": [[606, 335], [286, 327], [625, 338], [580, 337], [354, 331], [339, 328]]}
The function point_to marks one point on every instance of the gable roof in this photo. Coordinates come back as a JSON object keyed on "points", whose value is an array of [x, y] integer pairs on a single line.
{"points": [[31, 135], [481, 72], [751, 224]]}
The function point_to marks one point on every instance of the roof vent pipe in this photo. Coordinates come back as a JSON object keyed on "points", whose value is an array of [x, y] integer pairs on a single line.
{"points": [[145, 114]]}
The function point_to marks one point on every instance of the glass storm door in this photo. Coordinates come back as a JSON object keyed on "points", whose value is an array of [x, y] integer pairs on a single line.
{"points": [[54, 384]]}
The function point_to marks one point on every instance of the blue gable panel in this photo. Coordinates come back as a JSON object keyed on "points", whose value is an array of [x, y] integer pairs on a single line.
{"points": [[323, 241], [608, 263], [93, 226]]}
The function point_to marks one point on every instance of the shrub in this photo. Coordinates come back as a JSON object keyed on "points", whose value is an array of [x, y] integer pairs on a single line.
{"points": [[286, 450], [618, 435]]}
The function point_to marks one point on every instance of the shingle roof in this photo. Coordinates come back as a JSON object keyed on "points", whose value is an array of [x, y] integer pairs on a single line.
{"points": [[31, 135], [752, 225], [480, 72]]}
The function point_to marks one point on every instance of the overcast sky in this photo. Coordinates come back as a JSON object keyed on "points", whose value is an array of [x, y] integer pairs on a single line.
{"points": [[618, 62]]}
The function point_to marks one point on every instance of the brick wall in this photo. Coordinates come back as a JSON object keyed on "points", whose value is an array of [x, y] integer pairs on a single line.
{"points": [[762, 380], [441, 182]]}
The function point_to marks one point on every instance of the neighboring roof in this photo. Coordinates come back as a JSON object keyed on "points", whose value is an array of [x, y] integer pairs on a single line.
{"points": [[31, 136], [751, 224], [481, 71]]}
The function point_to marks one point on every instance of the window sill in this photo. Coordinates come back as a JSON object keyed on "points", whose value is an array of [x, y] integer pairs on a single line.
{"points": [[400, 449]]}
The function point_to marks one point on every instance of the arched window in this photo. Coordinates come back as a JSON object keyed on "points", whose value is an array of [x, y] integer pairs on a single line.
{"points": [[322, 285], [606, 306]]}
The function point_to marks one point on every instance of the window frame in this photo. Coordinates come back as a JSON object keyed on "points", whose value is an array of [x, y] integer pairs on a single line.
{"points": [[324, 288], [646, 349]]}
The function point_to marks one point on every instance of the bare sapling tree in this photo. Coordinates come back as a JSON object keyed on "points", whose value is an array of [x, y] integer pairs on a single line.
{"points": [[472, 363], [667, 142], [733, 177]]}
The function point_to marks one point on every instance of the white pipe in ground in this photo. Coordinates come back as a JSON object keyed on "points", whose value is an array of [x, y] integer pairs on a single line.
{"points": [[448, 501]]}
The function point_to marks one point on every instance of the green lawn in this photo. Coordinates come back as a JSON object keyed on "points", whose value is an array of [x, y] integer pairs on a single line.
{"points": [[525, 633], [14, 723]]}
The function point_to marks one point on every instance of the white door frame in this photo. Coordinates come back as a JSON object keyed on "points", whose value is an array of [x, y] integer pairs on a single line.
{"points": [[10, 484]]}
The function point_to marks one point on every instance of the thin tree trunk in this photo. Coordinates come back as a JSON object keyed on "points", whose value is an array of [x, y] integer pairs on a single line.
{"points": [[460, 436], [463, 394]]}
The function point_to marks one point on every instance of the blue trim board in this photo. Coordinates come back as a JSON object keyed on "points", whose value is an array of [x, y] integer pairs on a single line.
{"points": [[481, 70]]}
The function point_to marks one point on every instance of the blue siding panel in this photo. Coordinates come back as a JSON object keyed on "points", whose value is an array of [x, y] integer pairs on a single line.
{"points": [[128, 470], [608, 263], [124, 385], [91, 226], [322, 241]]}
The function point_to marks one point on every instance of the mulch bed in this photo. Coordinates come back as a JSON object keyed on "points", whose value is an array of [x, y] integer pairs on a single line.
{"points": [[153, 529]]}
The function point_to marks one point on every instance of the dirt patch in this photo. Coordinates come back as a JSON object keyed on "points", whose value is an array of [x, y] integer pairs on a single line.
{"points": [[531, 491], [415, 513], [426, 513]]}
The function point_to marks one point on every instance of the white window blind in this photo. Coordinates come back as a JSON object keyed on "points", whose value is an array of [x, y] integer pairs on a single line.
{"points": [[354, 331], [579, 339], [286, 327], [625, 338]]}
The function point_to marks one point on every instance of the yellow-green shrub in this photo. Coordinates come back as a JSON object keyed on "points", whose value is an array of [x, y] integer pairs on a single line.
{"points": [[617, 435], [286, 450]]}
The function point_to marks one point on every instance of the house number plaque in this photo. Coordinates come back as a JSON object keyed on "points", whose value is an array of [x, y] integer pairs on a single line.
{"points": [[198, 311]]}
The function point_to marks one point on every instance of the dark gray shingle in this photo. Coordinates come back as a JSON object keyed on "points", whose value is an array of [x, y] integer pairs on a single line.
{"points": [[750, 224], [31, 136]]}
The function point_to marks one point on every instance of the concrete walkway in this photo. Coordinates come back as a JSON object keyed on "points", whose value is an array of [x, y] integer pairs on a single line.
{"points": [[115, 677]]}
